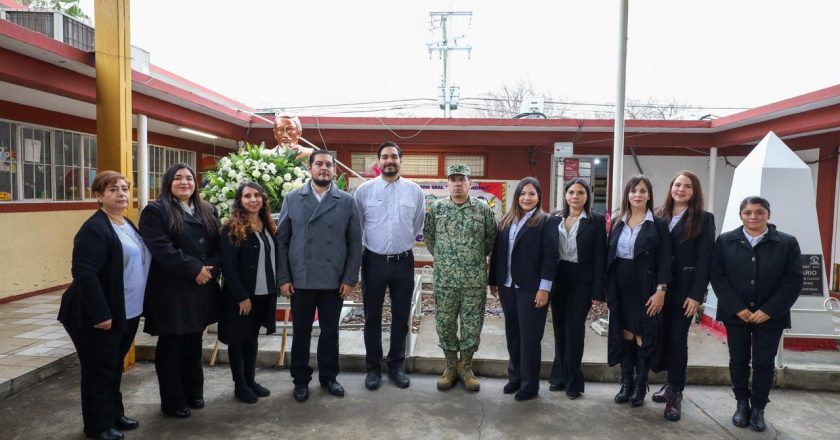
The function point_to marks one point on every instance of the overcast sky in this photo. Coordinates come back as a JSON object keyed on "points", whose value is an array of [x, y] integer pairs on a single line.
{"points": [[713, 53]]}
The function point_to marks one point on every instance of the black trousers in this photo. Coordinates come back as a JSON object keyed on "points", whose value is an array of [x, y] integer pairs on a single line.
{"points": [[398, 277], [304, 303], [524, 328], [179, 371], [242, 356], [101, 354], [675, 335], [571, 300], [756, 345]]}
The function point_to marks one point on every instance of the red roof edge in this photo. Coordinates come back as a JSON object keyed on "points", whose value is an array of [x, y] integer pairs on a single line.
{"points": [[13, 5], [785, 104], [179, 78]]}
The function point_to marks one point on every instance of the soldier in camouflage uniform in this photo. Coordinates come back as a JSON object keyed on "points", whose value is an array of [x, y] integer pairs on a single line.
{"points": [[459, 232]]}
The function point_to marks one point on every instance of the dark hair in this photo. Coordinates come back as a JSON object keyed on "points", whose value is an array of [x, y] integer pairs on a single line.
{"points": [[586, 205], [516, 211], [104, 179], [319, 153], [625, 199], [239, 223], [173, 211], [694, 212], [387, 144], [757, 200]]}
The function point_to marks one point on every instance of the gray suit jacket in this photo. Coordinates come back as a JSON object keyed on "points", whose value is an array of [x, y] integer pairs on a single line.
{"points": [[320, 244]]}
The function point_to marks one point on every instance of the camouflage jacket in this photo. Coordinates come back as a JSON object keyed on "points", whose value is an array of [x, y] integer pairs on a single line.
{"points": [[460, 237]]}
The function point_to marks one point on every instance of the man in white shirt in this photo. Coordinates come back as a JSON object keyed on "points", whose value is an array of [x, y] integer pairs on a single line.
{"points": [[392, 212]]}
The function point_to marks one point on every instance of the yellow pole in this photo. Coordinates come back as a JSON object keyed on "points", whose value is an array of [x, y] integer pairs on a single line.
{"points": [[113, 97], [113, 88]]}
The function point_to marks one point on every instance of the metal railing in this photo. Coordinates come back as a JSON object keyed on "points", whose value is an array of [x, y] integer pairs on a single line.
{"points": [[830, 304]]}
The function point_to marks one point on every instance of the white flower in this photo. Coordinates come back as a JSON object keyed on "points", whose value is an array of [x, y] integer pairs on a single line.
{"points": [[230, 203], [214, 200], [266, 177], [221, 197], [256, 174], [287, 187], [288, 177], [232, 174], [278, 180]]}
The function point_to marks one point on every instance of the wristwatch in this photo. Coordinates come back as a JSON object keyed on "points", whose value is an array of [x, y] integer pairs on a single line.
{"points": [[662, 287]]}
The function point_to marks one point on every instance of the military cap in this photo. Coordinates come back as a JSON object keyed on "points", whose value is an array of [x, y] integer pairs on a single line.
{"points": [[458, 168]]}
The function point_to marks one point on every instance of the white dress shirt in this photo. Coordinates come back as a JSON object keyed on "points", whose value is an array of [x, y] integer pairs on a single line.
{"points": [[627, 239], [514, 229], [568, 240], [674, 220], [392, 214], [318, 195], [754, 240]]}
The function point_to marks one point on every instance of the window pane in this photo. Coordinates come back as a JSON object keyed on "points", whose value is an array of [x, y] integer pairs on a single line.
{"points": [[419, 165], [8, 162], [474, 161], [37, 171]]}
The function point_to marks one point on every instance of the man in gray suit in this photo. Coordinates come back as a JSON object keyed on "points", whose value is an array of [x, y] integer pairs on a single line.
{"points": [[320, 247]]}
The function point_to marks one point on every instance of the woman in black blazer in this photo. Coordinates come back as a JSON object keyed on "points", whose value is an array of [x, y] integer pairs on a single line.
{"points": [[249, 289], [522, 267], [579, 282], [757, 276], [638, 270], [182, 296], [102, 307], [692, 238]]}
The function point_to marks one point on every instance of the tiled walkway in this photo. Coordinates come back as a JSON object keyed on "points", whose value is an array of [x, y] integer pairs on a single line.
{"points": [[30, 337]]}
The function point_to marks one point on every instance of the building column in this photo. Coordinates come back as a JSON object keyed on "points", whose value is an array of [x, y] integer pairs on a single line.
{"points": [[710, 199], [142, 162], [113, 88]]}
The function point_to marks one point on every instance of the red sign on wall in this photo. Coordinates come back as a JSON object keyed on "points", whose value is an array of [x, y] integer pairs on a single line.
{"points": [[571, 168]]}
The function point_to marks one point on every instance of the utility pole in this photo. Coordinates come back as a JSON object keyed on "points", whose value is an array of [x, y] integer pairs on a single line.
{"points": [[448, 96]]}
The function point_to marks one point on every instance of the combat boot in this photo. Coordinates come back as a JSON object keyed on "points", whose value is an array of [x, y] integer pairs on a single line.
{"points": [[450, 375], [466, 372]]}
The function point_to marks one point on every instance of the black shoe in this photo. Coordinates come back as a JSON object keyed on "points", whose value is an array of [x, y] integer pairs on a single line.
{"points": [[523, 395], [673, 409], [511, 387], [741, 418], [399, 377], [301, 393], [196, 403], [572, 395], [334, 388], [259, 390], [110, 434], [245, 394], [663, 394], [757, 420], [182, 413], [557, 387], [125, 424], [624, 393], [373, 380]]}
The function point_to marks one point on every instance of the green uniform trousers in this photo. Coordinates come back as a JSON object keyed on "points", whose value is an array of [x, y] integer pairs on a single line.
{"points": [[466, 302]]}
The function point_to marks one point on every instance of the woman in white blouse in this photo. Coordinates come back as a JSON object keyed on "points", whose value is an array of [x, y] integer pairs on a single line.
{"points": [[522, 268], [249, 293], [638, 271], [578, 284]]}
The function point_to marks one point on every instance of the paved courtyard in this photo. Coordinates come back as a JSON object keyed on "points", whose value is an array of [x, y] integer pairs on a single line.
{"points": [[51, 409]]}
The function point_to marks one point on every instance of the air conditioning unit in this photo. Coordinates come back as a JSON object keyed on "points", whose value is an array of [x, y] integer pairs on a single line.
{"points": [[532, 104]]}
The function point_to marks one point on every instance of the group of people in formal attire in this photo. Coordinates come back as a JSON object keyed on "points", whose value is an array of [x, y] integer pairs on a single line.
{"points": [[651, 266]]}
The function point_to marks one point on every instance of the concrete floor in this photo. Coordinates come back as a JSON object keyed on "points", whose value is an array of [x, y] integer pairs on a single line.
{"points": [[51, 409]]}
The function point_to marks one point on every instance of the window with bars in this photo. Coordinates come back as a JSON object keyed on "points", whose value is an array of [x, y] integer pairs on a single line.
{"points": [[75, 165], [474, 161], [37, 163], [8, 162], [412, 164]]}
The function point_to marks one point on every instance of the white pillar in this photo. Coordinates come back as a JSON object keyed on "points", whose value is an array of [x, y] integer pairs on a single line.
{"points": [[142, 162], [58, 26], [618, 141], [710, 199]]}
